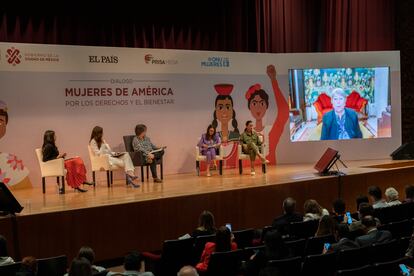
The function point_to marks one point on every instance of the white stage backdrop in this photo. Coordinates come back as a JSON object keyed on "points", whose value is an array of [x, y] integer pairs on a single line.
{"points": [[71, 89]]}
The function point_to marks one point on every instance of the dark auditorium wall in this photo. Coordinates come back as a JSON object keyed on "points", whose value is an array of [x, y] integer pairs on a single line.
{"points": [[404, 26]]}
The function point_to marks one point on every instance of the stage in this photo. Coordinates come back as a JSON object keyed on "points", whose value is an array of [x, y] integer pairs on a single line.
{"points": [[118, 219]]}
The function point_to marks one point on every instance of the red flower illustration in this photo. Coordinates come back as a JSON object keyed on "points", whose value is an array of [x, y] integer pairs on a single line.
{"points": [[15, 163], [3, 177]]}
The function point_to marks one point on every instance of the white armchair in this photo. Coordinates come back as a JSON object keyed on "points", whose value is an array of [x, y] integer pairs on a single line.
{"points": [[55, 167], [202, 158], [101, 163], [243, 156]]}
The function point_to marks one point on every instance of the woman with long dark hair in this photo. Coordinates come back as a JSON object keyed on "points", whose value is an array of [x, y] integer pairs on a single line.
{"points": [[206, 225], [223, 243], [123, 160], [209, 144], [76, 171]]}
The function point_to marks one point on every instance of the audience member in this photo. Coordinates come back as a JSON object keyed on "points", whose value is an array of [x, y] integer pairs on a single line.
{"points": [[313, 210], [80, 267], [5, 259], [372, 234], [88, 253], [133, 266], [361, 199], [223, 243], [28, 267], [338, 209], [206, 225], [409, 194], [275, 249], [365, 209], [392, 196], [289, 213], [326, 226], [187, 271], [343, 239], [376, 196]]}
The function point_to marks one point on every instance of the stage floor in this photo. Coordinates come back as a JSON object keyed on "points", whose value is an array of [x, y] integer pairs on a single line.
{"points": [[34, 202]]}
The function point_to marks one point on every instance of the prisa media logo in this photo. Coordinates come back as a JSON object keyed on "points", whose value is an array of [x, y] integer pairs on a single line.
{"points": [[150, 59], [216, 62], [13, 56]]}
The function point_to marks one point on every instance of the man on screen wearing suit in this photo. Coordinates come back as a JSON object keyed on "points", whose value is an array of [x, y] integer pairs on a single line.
{"points": [[340, 123]]}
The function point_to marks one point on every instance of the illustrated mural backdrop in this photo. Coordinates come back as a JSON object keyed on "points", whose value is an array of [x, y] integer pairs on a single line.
{"points": [[176, 93]]}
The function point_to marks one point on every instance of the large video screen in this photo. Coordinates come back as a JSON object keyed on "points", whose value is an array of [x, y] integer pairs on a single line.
{"points": [[339, 103]]}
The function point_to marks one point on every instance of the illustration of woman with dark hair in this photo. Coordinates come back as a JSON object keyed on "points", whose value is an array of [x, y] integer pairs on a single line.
{"points": [[225, 113], [13, 173], [258, 103]]}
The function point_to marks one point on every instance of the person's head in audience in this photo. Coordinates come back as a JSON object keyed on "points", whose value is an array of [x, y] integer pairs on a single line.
{"points": [[339, 207], [87, 253], [375, 193], [140, 130], [3, 247], [187, 271], [341, 231], [80, 267], [97, 135], [289, 206], [360, 199], [326, 226], [391, 194], [275, 246], [311, 206], [223, 239], [29, 265], [369, 223], [409, 193], [132, 261], [365, 209], [206, 221], [49, 138]]}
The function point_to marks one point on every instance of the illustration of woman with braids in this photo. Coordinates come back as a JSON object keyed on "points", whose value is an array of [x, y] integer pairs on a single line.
{"points": [[258, 103], [224, 113], [12, 171]]}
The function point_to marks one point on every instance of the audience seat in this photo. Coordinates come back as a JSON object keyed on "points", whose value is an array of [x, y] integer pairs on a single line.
{"points": [[244, 238], [303, 229], [176, 254], [288, 267], [384, 252], [395, 213], [297, 247], [388, 268], [360, 271], [314, 245], [199, 244], [250, 251], [10, 269], [399, 229], [352, 258], [225, 263], [52, 266], [321, 265]]}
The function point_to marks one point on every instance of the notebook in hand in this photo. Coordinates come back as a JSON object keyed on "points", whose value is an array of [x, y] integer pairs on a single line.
{"points": [[157, 150], [117, 154]]}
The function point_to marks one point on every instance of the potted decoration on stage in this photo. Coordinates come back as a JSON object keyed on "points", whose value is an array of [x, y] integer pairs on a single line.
{"points": [[13, 173]]}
